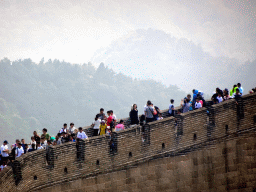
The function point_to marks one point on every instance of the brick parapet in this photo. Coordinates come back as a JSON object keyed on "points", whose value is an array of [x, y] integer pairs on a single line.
{"points": [[134, 146]]}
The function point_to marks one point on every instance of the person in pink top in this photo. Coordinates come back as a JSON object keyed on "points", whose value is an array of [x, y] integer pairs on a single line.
{"points": [[120, 126]]}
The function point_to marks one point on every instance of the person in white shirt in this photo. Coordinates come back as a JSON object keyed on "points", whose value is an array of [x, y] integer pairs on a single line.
{"points": [[64, 129], [171, 108], [113, 115], [145, 108], [5, 151], [71, 128], [220, 99], [43, 143], [160, 116], [81, 134], [19, 150], [198, 105], [38, 145], [32, 142], [3, 166], [96, 126]]}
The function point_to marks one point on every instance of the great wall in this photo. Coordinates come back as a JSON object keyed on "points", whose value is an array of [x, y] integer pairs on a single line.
{"points": [[209, 149]]}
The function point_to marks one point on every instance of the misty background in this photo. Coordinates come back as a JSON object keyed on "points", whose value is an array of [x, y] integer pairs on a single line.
{"points": [[61, 61]]}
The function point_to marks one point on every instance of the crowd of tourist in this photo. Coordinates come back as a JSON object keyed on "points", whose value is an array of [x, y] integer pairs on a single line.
{"points": [[107, 124]]}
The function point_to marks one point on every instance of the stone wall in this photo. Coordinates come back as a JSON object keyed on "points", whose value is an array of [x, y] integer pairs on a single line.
{"points": [[192, 134], [224, 165]]}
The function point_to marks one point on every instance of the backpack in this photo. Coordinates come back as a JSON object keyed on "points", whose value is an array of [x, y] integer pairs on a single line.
{"points": [[155, 112], [112, 124]]}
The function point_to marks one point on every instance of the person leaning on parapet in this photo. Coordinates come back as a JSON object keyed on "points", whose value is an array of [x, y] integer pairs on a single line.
{"points": [[156, 112], [39, 146], [71, 129], [241, 90], [120, 126], [171, 108], [33, 148], [149, 112], [220, 98], [198, 105], [134, 115], [201, 98], [160, 116], [65, 137], [226, 95], [101, 115], [58, 138], [81, 134]]}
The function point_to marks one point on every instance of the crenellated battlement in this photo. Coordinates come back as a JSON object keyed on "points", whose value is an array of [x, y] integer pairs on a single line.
{"points": [[133, 146]]}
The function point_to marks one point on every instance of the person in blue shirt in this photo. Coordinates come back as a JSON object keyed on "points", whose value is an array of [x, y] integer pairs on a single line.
{"points": [[195, 92], [241, 90], [171, 108]]}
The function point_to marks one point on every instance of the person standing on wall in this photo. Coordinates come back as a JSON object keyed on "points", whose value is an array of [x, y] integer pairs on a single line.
{"points": [[64, 129], [71, 129], [19, 150], [149, 112], [96, 126], [5, 151], [37, 138], [109, 122], [241, 90], [103, 127], [81, 134], [171, 108], [45, 135], [114, 118], [134, 115], [101, 115]]}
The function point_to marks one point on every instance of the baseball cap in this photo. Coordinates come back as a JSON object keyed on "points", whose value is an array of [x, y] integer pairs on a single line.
{"points": [[5, 141]]}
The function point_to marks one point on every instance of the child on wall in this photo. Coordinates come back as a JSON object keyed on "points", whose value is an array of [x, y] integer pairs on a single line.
{"points": [[198, 105], [103, 127]]}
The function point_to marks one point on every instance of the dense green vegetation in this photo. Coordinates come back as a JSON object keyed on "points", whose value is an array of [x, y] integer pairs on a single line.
{"points": [[48, 94]]}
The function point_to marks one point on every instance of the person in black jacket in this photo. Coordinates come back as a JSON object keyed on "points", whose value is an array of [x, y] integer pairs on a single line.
{"points": [[134, 115]]}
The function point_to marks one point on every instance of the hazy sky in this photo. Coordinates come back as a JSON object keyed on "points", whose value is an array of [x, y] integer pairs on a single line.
{"points": [[73, 30]]}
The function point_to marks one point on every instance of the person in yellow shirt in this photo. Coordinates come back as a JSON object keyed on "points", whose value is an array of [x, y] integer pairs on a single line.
{"points": [[103, 127], [233, 91]]}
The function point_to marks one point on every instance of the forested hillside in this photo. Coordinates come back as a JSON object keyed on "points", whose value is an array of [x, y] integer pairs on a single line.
{"points": [[48, 94]]}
